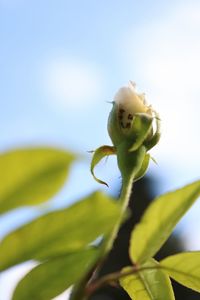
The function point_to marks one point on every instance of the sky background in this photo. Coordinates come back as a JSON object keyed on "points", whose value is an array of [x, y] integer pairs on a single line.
{"points": [[61, 61]]}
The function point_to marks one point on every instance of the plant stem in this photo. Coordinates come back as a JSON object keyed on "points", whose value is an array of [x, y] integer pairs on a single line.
{"points": [[124, 200], [78, 292], [130, 165], [115, 277]]}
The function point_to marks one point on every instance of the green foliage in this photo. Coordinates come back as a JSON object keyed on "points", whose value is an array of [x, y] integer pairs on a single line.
{"points": [[61, 231], [184, 268], [31, 176], [51, 278], [150, 143], [150, 283], [60, 240], [159, 220]]}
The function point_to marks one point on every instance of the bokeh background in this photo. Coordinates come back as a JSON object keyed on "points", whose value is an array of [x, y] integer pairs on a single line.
{"points": [[62, 61]]}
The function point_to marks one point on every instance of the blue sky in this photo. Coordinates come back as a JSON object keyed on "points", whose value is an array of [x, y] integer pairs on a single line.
{"points": [[60, 61]]}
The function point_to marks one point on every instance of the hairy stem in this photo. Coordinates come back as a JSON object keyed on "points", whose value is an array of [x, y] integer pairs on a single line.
{"points": [[124, 200], [78, 292], [129, 165]]}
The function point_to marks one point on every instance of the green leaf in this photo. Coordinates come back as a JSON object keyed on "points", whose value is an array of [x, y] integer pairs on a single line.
{"points": [[53, 277], [149, 284], [159, 220], [184, 268], [31, 176], [100, 153], [61, 231]]}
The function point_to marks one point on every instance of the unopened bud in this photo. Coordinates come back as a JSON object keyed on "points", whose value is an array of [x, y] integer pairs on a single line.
{"points": [[130, 116]]}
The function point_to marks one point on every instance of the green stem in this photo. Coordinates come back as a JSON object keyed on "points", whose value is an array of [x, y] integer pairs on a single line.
{"points": [[124, 200], [78, 292], [114, 277], [129, 164]]}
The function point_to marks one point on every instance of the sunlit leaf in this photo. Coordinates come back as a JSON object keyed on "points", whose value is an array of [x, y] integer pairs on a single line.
{"points": [[149, 284], [100, 153], [31, 176], [61, 231], [53, 277], [184, 268], [159, 220]]}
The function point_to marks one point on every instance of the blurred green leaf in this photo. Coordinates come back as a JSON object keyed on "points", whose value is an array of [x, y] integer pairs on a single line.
{"points": [[184, 268], [98, 155], [53, 277], [149, 284], [31, 176], [159, 220], [59, 232]]}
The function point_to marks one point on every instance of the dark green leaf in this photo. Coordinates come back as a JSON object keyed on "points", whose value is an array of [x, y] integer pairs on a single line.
{"points": [[184, 268], [61, 231], [53, 277], [31, 176], [149, 284], [159, 220]]}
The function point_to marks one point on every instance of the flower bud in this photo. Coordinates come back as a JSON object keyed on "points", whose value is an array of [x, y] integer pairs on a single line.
{"points": [[130, 126], [130, 118]]}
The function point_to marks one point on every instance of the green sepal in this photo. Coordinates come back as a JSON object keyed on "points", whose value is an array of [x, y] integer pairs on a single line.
{"points": [[114, 129], [98, 155], [130, 163], [143, 168], [150, 143], [141, 128]]}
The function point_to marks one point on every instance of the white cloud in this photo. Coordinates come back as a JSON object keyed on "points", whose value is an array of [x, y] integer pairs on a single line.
{"points": [[71, 84], [165, 56]]}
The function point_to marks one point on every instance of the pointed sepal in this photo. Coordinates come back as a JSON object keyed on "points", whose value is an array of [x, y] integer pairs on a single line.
{"points": [[141, 129], [150, 143], [98, 155], [143, 168]]}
